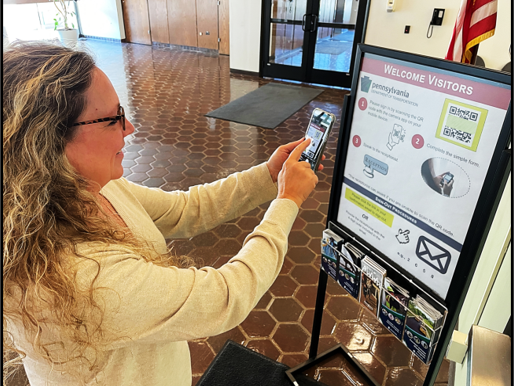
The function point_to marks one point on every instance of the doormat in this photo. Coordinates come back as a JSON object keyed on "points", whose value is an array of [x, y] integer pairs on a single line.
{"points": [[268, 106]]}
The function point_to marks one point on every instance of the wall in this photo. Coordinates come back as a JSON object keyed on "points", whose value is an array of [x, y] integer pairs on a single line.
{"points": [[245, 34], [101, 18], [490, 292], [385, 29]]}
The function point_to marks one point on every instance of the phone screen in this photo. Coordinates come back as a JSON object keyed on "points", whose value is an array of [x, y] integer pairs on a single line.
{"points": [[318, 131], [448, 177]]}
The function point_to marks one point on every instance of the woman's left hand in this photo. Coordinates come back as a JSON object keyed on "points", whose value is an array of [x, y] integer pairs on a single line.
{"points": [[280, 155]]}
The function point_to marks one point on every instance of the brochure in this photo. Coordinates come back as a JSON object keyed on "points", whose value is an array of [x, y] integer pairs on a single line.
{"points": [[422, 328], [372, 279], [393, 307], [330, 244], [349, 269]]}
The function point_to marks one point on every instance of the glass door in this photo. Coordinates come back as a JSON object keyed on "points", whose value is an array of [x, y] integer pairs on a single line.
{"points": [[285, 40], [311, 40]]}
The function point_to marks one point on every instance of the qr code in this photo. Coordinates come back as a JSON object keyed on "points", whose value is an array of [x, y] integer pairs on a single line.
{"points": [[457, 135], [463, 113]]}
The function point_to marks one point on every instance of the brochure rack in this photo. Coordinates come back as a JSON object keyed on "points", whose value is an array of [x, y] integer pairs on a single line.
{"points": [[424, 152]]}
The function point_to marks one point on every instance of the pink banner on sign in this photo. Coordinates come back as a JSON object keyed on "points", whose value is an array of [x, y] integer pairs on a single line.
{"points": [[487, 94]]}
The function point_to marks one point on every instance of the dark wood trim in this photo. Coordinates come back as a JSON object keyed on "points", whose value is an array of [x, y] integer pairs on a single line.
{"points": [[242, 72]]}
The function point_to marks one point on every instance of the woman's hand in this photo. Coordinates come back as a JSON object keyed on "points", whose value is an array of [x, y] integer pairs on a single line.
{"points": [[296, 180], [280, 155], [447, 188]]}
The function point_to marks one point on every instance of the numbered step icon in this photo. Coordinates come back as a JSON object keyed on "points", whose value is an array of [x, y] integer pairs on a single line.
{"points": [[363, 104]]}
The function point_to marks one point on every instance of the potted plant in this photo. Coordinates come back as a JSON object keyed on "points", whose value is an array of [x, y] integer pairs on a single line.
{"points": [[66, 34]]}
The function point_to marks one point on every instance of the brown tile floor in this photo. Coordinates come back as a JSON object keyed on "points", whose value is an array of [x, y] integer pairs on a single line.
{"points": [[166, 94]]}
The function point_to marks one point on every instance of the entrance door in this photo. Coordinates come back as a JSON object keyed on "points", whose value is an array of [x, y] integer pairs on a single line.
{"points": [[311, 41]]}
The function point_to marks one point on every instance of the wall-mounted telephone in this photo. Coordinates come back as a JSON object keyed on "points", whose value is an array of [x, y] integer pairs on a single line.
{"points": [[437, 16], [390, 5], [437, 19]]}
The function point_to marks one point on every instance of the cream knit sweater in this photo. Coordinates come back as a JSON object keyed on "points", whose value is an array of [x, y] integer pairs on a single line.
{"points": [[151, 311]]}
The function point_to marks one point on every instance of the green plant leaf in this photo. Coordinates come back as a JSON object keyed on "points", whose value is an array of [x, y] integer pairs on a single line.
{"points": [[73, 25]]}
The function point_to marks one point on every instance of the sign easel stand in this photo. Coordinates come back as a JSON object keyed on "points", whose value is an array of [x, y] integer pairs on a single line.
{"points": [[494, 183]]}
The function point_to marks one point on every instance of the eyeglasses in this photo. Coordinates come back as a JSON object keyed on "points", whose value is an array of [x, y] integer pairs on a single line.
{"points": [[119, 117]]}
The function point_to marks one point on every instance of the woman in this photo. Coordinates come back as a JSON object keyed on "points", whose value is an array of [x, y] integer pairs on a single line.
{"points": [[91, 293]]}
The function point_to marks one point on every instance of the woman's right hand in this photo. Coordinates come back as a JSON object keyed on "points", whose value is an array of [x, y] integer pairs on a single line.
{"points": [[296, 180]]}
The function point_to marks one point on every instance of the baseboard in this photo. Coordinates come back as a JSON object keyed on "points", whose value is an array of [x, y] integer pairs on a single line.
{"points": [[241, 72], [101, 38]]}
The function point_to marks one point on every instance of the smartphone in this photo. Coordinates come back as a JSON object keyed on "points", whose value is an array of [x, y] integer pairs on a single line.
{"points": [[319, 129], [447, 178]]}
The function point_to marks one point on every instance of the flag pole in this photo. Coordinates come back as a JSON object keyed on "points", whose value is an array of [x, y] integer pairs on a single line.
{"points": [[474, 54]]}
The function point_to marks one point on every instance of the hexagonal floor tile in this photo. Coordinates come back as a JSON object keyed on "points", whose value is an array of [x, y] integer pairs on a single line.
{"points": [[264, 347], [305, 274], [283, 286], [344, 308], [216, 342], [286, 309], [202, 354], [391, 351], [328, 323], [291, 338], [353, 336], [259, 324], [402, 377]]}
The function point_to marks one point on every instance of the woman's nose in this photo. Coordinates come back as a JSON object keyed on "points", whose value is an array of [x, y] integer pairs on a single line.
{"points": [[129, 128]]}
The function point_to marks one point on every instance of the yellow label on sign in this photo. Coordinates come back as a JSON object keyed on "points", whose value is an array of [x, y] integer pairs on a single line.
{"points": [[373, 209]]}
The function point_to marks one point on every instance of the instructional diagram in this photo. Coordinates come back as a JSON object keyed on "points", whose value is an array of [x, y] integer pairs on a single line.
{"points": [[421, 144]]}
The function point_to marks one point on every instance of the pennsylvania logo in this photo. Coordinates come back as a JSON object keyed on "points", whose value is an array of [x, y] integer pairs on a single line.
{"points": [[365, 83]]}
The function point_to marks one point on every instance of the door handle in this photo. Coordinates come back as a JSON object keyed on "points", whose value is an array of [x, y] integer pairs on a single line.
{"points": [[303, 22], [314, 23]]}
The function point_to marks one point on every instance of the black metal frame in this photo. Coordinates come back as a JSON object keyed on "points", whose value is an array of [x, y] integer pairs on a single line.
{"points": [[480, 223], [306, 72], [339, 349]]}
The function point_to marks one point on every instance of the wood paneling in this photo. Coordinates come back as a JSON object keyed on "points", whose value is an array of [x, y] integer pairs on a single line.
{"points": [[158, 12], [137, 25], [207, 23], [224, 31], [182, 22]]}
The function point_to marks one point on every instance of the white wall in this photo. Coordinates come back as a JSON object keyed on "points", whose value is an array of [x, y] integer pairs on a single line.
{"points": [[245, 34], [488, 300], [101, 18], [385, 29]]}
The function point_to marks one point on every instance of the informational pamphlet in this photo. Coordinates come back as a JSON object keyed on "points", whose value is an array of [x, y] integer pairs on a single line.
{"points": [[372, 280], [422, 329], [330, 243], [393, 307], [422, 139], [349, 269]]}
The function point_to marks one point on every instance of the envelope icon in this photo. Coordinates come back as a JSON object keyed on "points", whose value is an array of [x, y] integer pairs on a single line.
{"points": [[432, 254]]}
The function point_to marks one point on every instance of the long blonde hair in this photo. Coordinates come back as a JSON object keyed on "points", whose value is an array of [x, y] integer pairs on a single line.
{"points": [[47, 208]]}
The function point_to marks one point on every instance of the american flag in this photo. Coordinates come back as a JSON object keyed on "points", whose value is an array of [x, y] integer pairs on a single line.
{"points": [[476, 22]]}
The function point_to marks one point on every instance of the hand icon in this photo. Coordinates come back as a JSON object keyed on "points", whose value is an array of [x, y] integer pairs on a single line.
{"points": [[395, 136], [403, 236]]}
